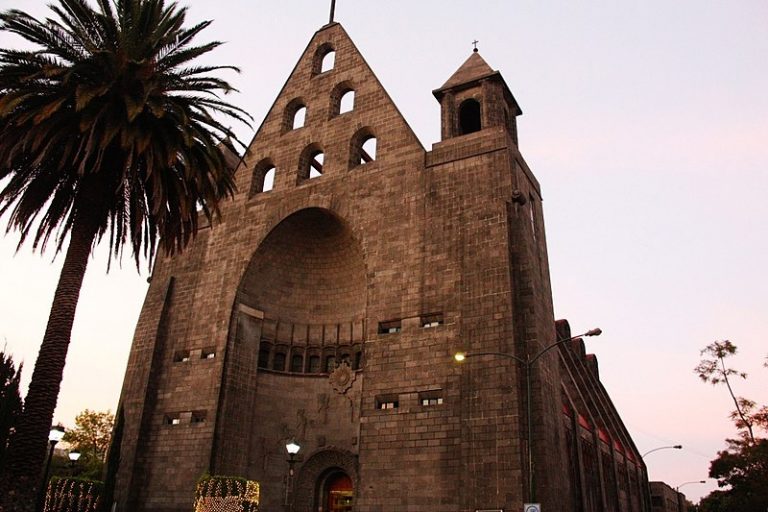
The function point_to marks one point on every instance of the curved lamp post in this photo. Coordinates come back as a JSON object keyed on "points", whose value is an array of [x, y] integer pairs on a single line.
{"points": [[673, 447], [691, 482], [527, 364], [54, 436]]}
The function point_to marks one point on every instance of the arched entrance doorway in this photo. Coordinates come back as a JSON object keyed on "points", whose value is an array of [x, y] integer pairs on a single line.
{"points": [[335, 492], [327, 482]]}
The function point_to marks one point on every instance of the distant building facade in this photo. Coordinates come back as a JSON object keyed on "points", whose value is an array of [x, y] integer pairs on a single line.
{"points": [[326, 307], [666, 499]]}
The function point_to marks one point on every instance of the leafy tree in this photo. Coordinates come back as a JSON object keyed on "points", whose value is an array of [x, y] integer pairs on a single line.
{"points": [[106, 130], [713, 369], [10, 400], [91, 436], [742, 470]]}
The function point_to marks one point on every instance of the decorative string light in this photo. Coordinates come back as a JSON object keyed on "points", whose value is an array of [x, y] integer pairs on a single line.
{"points": [[73, 495], [226, 494]]}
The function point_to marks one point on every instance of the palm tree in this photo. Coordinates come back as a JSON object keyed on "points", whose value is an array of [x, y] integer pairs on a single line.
{"points": [[106, 130]]}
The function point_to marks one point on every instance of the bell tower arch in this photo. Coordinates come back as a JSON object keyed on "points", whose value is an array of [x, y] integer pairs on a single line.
{"points": [[475, 98]]}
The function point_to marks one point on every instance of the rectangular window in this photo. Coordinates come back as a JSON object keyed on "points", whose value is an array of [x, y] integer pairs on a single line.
{"points": [[198, 416], [390, 327], [181, 356], [387, 402], [432, 397], [172, 419], [208, 353], [433, 320]]}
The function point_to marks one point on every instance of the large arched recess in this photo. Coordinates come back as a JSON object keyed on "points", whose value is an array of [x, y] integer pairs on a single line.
{"points": [[309, 269]]}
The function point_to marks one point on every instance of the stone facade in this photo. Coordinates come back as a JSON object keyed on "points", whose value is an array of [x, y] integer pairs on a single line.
{"points": [[326, 306], [666, 499]]}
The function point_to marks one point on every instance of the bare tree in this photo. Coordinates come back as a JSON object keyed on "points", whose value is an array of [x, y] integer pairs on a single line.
{"points": [[712, 369]]}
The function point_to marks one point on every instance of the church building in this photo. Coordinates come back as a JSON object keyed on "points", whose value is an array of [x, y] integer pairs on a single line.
{"points": [[326, 307]]}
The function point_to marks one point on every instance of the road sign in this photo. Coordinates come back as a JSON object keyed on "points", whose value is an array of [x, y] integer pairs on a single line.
{"points": [[532, 507]]}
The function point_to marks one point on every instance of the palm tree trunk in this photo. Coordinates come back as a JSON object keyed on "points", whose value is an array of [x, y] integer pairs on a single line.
{"points": [[22, 475]]}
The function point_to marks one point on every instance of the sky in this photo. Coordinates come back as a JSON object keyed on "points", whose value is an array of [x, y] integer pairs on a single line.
{"points": [[646, 124]]}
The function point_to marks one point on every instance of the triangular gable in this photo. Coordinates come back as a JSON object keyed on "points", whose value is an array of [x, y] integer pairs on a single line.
{"points": [[325, 129]]}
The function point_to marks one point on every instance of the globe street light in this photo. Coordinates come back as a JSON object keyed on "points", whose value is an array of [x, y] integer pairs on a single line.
{"points": [[527, 364], [674, 447], [73, 455], [54, 436]]}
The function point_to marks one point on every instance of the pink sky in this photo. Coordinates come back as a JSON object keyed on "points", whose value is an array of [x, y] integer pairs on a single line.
{"points": [[646, 124]]}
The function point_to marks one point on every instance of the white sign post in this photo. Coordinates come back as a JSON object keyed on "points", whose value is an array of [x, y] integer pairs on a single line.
{"points": [[532, 507]]}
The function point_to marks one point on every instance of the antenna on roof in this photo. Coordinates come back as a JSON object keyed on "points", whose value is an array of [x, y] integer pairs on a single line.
{"points": [[333, 10]]}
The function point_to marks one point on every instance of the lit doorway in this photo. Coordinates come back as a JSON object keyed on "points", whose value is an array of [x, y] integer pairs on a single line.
{"points": [[336, 492]]}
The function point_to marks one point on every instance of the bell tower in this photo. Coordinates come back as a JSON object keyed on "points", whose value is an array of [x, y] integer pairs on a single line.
{"points": [[476, 97]]}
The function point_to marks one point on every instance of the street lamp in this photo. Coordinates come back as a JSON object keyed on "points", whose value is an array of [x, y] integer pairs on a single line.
{"points": [[691, 482], [528, 364], [73, 455], [674, 447], [292, 447], [54, 436]]}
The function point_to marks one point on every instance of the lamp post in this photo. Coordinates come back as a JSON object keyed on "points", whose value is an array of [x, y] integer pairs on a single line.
{"points": [[648, 483], [673, 447], [54, 436], [73, 455], [528, 364], [691, 482], [292, 447]]}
